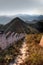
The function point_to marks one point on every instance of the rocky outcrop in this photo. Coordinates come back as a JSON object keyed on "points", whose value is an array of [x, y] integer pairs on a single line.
{"points": [[41, 42], [8, 39]]}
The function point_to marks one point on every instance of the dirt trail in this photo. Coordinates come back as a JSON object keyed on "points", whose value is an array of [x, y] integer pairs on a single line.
{"points": [[24, 54]]}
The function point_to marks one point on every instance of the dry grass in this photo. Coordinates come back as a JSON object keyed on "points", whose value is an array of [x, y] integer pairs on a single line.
{"points": [[35, 51]]}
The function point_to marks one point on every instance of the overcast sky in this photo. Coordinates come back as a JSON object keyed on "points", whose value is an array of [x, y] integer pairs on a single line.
{"points": [[13, 7]]}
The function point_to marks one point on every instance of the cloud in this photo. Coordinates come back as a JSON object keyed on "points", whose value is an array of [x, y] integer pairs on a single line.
{"points": [[21, 6]]}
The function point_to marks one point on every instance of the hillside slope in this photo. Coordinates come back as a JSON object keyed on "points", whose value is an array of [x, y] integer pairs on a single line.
{"points": [[19, 26], [38, 25]]}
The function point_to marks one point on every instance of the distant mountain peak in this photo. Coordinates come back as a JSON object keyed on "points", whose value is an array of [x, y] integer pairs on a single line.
{"points": [[17, 19], [17, 25]]}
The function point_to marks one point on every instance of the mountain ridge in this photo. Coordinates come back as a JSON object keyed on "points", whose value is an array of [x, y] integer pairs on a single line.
{"points": [[19, 26], [25, 17]]}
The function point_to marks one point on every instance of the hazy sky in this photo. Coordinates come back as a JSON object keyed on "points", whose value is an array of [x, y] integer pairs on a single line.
{"points": [[13, 7]]}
